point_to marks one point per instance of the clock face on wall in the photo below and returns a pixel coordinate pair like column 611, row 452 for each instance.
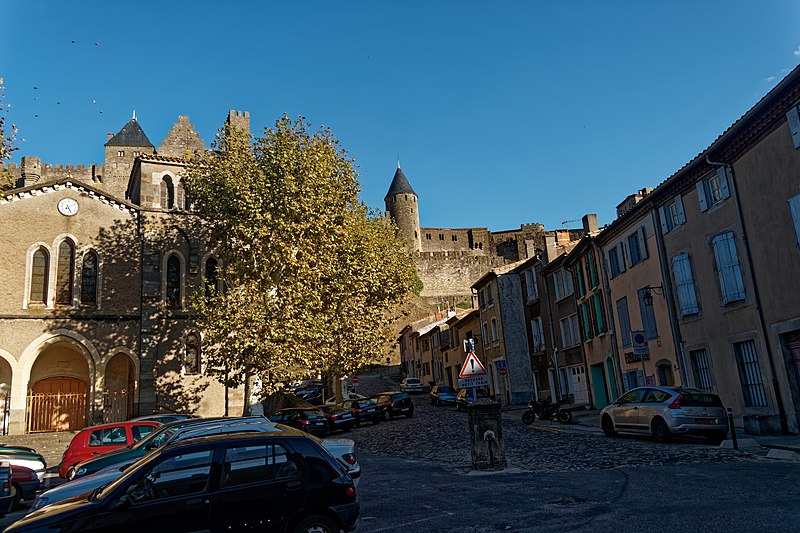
column 68, row 207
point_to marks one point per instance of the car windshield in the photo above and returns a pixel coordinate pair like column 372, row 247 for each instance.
column 401, row 396
column 313, row 415
column 698, row 399
column 446, row 389
column 155, row 439
column 412, row 381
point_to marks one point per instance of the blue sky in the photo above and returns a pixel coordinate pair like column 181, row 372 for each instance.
column 503, row 113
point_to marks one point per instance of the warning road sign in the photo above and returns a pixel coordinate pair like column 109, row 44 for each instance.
column 472, row 367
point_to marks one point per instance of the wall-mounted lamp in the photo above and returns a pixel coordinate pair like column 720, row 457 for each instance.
column 647, row 293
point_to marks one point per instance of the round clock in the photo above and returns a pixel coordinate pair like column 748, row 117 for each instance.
column 68, row 207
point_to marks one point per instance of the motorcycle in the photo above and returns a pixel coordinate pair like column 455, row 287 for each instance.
column 545, row 410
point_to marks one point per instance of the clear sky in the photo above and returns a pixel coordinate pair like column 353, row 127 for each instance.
column 503, row 113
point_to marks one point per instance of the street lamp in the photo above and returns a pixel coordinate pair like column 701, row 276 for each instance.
column 647, row 296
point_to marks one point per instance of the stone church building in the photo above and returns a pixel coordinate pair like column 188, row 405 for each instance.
column 98, row 269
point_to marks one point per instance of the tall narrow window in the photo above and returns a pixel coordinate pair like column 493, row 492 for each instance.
column 65, row 273
column 211, row 283
column 180, row 201
column 624, row 321
column 89, row 279
column 648, row 316
column 750, row 374
column 39, row 268
column 701, row 370
column 191, row 360
column 687, row 293
column 598, row 314
column 174, row 281
column 167, row 193
column 729, row 270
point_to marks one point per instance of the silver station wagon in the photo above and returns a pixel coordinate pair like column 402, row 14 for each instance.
column 665, row 412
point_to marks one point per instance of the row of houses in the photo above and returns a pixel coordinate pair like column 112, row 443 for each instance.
column 702, row 272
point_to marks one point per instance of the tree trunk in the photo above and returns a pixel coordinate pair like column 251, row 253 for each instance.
column 337, row 385
column 246, row 402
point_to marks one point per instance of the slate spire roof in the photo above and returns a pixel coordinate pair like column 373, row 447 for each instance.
column 400, row 184
column 131, row 134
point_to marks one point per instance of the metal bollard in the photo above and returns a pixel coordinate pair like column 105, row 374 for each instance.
column 732, row 428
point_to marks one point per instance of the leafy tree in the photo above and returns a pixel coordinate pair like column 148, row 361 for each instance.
column 312, row 276
column 7, row 139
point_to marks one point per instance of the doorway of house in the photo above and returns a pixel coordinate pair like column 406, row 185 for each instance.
column 57, row 404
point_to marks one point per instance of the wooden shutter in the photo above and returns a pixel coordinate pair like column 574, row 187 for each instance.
column 687, row 294
column 701, row 195
column 794, row 125
column 679, row 209
column 728, row 268
column 663, row 218
column 643, row 241
column 723, row 182
column 794, row 210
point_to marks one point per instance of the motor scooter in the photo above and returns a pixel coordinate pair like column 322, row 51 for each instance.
column 544, row 410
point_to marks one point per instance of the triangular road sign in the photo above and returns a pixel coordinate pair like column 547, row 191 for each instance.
column 472, row 367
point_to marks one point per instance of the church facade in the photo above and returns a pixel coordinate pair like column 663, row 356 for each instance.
column 98, row 270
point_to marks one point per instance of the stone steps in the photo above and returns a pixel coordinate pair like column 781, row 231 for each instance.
column 50, row 445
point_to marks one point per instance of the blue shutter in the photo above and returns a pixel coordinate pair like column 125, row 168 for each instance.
column 687, row 294
column 728, row 268
column 794, row 210
column 624, row 321
column 679, row 208
column 794, row 125
column 643, row 239
column 663, row 218
column 701, row 195
column 723, row 182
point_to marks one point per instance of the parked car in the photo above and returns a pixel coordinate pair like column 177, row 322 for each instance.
column 442, row 395
column 154, row 440
column 411, row 385
column 394, row 404
column 308, row 419
column 6, row 492
column 284, row 480
column 365, row 409
column 665, row 412
column 32, row 460
column 339, row 418
column 96, row 440
column 165, row 418
column 466, row 397
column 24, row 484
column 341, row 449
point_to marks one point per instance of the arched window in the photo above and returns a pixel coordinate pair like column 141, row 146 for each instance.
column 89, row 279
column 167, row 193
column 180, row 200
column 174, row 281
column 65, row 273
column 40, row 266
column 211, row 278
column 191, row 356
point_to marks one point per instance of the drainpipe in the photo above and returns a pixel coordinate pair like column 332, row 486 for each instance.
column 756, row 295
column 666, row 282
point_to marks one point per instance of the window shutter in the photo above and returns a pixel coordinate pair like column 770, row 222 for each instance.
column 643, row 240
column 701, row 195
column 794, row 125
column 622, row 266
column 728, row 268
column 663, row 218
column 794, row 210
column 723, row 182
column 679, row 208
column 687, row 295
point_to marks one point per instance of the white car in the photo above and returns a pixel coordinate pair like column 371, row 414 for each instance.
column 411, row 385
column 34, row 464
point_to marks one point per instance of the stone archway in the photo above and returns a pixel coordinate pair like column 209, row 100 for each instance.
column 59, row 388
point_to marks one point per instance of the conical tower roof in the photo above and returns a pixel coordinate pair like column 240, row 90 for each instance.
column 400, row 185
column 131, row 134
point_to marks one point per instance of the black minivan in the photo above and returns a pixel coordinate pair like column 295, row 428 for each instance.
column 281, row 481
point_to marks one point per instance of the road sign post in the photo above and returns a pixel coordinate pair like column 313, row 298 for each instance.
column 640, row 348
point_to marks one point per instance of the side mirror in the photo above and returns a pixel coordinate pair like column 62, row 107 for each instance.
column 122, row 503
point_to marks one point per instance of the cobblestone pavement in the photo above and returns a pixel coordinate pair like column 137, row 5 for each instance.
column 441, row 434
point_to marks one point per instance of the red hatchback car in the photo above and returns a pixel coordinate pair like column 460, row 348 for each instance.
column 96, row 440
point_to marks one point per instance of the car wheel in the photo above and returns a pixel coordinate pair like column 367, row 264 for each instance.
column 316, row 524
column 17, row 497
column 660, row 431
column 608, row 426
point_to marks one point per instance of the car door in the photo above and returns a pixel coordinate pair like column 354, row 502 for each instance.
column 261, row 489
column 652, row 405
column 170, row 495
column 626, row 409
column 106, row 439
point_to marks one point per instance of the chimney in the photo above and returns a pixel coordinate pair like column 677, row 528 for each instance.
column 590, row 223
column 550, row 247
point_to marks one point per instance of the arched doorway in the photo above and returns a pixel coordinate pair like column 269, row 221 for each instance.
column 5, row 395
column 120, row 384
column 58, row 398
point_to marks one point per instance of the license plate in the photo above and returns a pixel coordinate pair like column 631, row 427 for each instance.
column 708, row 421
column 347, row 416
